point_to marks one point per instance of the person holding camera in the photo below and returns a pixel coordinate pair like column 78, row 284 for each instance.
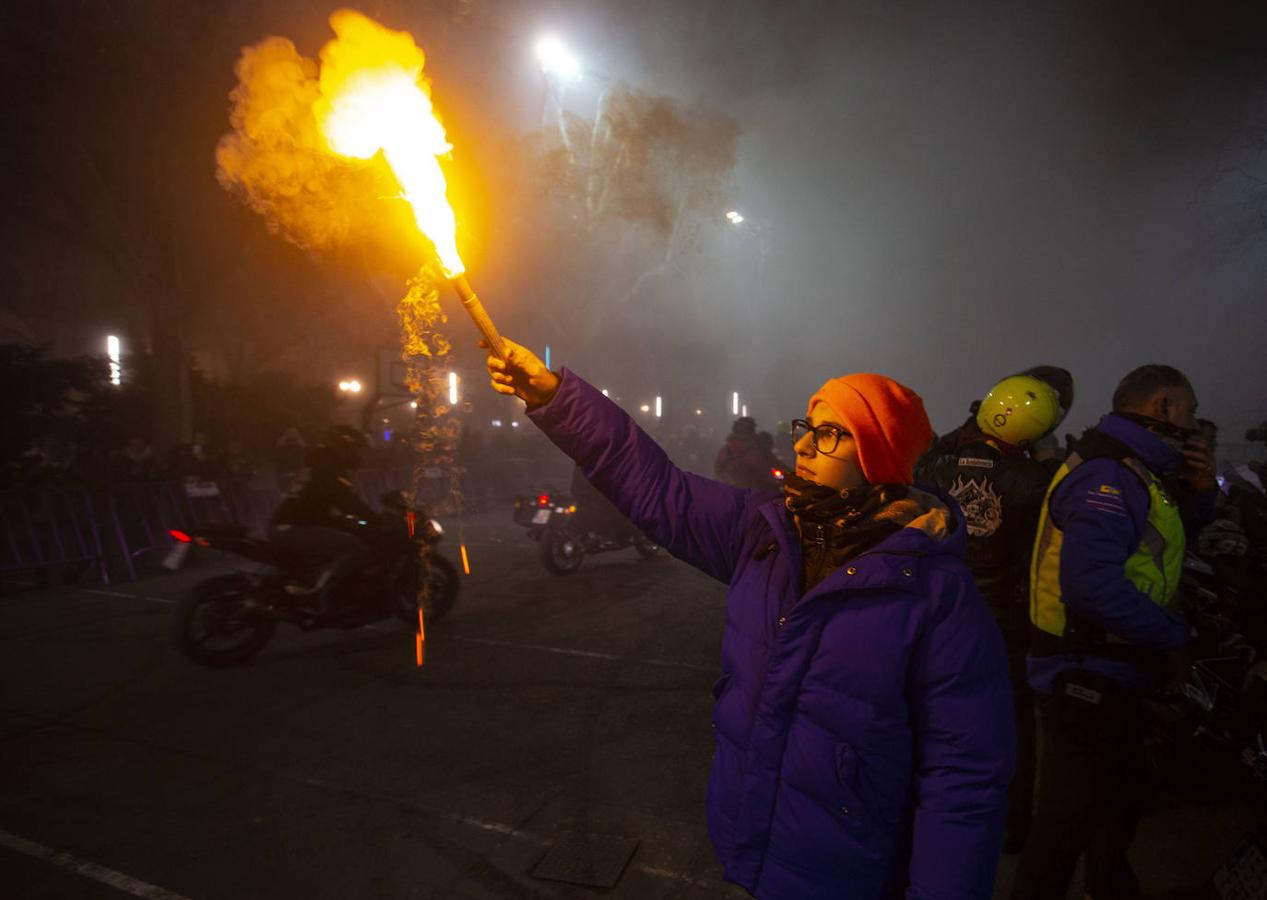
column 1103, row 578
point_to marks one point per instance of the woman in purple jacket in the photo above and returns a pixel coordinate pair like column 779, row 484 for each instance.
column 863, row 718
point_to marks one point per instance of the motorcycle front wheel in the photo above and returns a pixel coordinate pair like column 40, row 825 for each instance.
column 215, row 627
column 562, row 551
column 442, row 593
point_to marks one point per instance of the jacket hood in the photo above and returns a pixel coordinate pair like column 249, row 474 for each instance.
column 1151, row 450
column 937, row 527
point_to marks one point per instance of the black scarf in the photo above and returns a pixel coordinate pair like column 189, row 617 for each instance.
column 838, row 525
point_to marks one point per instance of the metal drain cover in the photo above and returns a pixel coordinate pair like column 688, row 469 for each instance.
column 594, row 860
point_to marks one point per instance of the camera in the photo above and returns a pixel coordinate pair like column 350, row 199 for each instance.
column 1257, row 435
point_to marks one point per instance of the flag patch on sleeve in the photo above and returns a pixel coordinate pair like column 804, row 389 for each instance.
column 1107, row 499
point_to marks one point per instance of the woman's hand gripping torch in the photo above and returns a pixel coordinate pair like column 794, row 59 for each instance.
column 521, row 374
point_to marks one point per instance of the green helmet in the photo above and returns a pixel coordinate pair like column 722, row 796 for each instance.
column 1019, row 410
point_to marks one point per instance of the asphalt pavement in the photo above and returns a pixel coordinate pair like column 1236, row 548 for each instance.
column 560, row 726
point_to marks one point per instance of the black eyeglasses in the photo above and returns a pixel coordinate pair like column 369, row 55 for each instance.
column 826, row 437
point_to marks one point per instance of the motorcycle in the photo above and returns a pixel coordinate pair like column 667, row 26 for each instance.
column 567, row 535
column 1215, row 720
column 225, row 620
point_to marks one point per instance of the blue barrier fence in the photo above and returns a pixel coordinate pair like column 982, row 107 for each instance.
column 51, row 534
column 54, row 534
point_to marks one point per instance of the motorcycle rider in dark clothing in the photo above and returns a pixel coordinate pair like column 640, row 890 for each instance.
column 322, row 517
column 1000, row 489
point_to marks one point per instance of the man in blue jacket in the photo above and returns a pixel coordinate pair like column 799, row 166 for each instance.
column 863, row 718
column 1105, row 569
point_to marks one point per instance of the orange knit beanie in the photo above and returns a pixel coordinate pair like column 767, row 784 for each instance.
column 887, row 421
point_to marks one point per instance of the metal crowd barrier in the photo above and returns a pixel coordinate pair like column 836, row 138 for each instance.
column 51, row 534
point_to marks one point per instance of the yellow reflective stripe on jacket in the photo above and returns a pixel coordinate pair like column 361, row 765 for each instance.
column 1154, row 568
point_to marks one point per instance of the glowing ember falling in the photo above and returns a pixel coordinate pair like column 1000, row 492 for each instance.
column 373, row 98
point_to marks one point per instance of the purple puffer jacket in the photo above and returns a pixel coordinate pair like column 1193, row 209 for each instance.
column 863, row 731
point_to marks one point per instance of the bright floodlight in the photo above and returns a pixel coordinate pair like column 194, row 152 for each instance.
column 645, row 408
column 734, row 217
column 556, row 59
column 734, row 403
column 453, row 388
column 351, row 386
column 745, row 409
column 659, row 407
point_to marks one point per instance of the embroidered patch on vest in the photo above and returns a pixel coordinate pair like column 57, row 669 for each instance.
column 982, row 507
column 976, row 463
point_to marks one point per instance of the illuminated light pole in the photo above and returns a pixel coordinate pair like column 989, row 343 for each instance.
column 453, row 388
column 734, row 403
column 556, row 59
column 114, row 355
column 659, row 407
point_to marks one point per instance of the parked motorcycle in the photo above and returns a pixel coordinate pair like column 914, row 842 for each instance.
column 568, row 533
column 227, row 619
column 1215, row 721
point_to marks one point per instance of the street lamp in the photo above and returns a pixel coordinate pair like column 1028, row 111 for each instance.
column 645, row 408
column 114, row 355
column 556, row 59
column 735, row 217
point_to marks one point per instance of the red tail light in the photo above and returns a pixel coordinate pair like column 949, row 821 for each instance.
column 543, row 500
column 180, row 536
column 777, row 473
column 410, row 518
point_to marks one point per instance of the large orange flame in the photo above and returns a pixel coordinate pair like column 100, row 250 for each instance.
column 374, row 98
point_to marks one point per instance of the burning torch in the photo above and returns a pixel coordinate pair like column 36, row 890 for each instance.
column 471, row 303
column 370, row 104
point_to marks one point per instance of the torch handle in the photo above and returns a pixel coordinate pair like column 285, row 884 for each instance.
column 476, row 310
